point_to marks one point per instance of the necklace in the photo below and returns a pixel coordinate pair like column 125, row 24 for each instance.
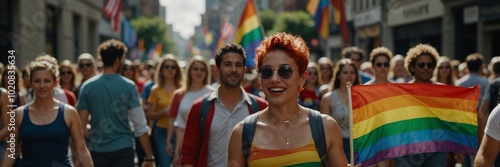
column 284, row 122
column 42, row 115
column 287, row 138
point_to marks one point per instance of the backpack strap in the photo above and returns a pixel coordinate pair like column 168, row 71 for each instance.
column 254, row 107
column 318, row 134
column 249, row 127
column 205, row 108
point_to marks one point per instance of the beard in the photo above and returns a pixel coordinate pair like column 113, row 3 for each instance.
column 227, row 82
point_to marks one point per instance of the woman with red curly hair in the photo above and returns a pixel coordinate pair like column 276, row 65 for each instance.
column 283, row 130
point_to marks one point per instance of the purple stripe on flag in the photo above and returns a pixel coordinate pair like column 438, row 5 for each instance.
column 417, row 148
column 250, row 51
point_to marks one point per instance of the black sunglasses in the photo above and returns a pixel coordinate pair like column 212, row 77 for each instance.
column 379, row 64
column 284, row 71
column 166, row 67
column 66, row 72
column 85, row 65
column 428, row 64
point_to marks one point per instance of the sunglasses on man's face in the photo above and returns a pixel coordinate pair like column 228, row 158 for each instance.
column 379, row 64
column 284, row 71
column 82, row 65
column 423, row 64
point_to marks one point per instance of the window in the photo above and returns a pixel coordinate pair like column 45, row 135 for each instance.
column 76, row 34
column 51, row 33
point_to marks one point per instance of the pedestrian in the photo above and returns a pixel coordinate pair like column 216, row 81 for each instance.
column 334, row 103
column 380, row 59
column 489, row 151
column 196, row 85
column 86, row 69
column 168, row 79
column 356, row 55
column 111, row 99
column 310, row 96
column 283, row 131
column 47, row 124
column 420, row 62
column 205, row 140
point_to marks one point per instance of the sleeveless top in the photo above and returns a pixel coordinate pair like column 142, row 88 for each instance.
column 45, row 145
column 340, row 114
column 303, row 156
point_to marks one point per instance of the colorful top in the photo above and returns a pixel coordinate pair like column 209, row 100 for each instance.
column 162, row 98
column 310, row 99
column 302, row 156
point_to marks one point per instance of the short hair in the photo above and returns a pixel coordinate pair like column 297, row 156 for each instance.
column 474, row 62
column 348, row 51
column 47, row 58
column 495, row 65
column 111, row 50
column 417, row 51
column 295, row 46
column 86, row 56
column 318, row 71
column 380, row 51
column 189, row 79
column 338, row 69
column 43, row 65
column 229, row 48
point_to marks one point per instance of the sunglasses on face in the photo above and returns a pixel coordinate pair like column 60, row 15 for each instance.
column 66, row 73
column 428, row 64
column 166, row 67
column 82, row 65
column 284, row 71
column 444, row 67
column 379, row 64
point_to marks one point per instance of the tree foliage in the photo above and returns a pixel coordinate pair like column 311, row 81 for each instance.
column 268, row 17
column 153, row 30
column 297, row 23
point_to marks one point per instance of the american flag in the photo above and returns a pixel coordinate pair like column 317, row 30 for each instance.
column 112, row 11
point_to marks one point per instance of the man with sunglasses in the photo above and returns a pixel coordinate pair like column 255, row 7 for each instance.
column 229, row 104
column 356, row 55
column 85, row 68
column 420, row 62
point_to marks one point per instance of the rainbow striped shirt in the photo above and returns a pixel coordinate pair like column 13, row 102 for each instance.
column 302, row 156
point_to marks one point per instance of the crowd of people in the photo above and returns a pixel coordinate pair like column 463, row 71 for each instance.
column 108, row 111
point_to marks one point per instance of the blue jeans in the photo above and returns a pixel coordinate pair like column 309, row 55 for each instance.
column 424, row 159
column 164, row 159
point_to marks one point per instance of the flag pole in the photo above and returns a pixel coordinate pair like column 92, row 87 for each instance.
column 351, row 142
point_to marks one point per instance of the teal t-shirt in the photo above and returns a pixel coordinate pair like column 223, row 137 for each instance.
column 108, row 98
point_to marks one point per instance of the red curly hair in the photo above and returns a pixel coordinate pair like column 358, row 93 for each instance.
column 295, row 46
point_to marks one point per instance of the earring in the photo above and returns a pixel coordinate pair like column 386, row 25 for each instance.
column 301, row 88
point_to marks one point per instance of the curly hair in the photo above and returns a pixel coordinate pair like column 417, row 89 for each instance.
column 416, row 52
column 43, row 65
column 228, row 48
column 295, row 46
column 111, row 50
column 380, row 51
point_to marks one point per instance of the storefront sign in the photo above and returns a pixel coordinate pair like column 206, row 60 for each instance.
column 471, row 14
column 414, row 11
column 369, row 17
column 489, row 11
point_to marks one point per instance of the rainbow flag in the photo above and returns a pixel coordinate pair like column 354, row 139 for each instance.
column 249, row 33
column 394, row 120
column 340, row 20
column 319, row 10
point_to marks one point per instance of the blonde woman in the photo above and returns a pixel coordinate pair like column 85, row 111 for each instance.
column 197, row 85
column 168, row 79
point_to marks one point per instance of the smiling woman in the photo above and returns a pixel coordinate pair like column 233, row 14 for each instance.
column 285, row 130
column 47, row 124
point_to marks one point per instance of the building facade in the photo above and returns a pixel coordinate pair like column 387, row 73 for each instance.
column 61, row 28
column 471, row 26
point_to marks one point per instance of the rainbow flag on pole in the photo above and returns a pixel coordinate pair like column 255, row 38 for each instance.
column 249, row 33
column 319, row 10
column 394, row 120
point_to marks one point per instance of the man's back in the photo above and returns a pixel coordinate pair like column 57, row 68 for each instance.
column 472, row 79
column 108, row 98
